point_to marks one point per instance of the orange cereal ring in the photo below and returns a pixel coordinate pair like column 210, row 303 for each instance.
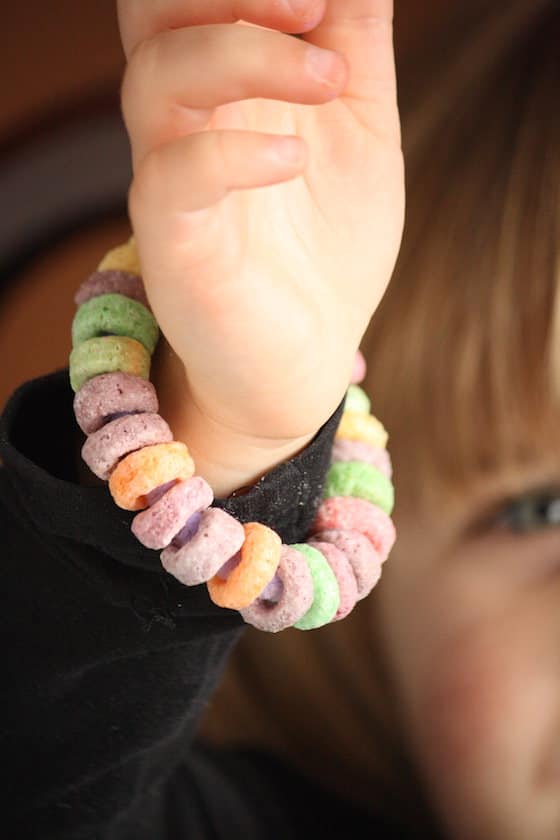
column 260, row 557
column 147, row 468
column 122, row 258
column 365, row 427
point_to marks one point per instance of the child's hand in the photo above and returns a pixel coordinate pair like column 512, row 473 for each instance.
column 264, row 292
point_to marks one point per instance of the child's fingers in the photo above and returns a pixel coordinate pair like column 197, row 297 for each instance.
column 175, row 78
column 363, row 31
column 175, row 190
column 139, row 21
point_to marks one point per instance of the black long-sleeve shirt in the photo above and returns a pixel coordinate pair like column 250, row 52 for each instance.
column 108, row 661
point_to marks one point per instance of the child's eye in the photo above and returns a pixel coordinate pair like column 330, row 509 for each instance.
column 529, row 513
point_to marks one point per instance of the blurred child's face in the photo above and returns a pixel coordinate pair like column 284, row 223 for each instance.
column 472, row 628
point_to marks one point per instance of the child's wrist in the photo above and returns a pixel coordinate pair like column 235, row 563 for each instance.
column 230, row 464
column 228, row 460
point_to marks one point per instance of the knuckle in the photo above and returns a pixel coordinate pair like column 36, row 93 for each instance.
column 145, row 53
column 221, row 142
column 140, row 71
column 228, row 152
column 147, row 181
column 126, row 98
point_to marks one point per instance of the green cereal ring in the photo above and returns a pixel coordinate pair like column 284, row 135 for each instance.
column 115, row 314
column 357, row 478
column 326, row 595
column 357, row 400
column 107, row 355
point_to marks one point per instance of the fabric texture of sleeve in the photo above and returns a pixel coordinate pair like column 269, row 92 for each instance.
column 109, row 661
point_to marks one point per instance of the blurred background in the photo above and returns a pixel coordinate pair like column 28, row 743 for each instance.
column 64, row 172
column 65, row 168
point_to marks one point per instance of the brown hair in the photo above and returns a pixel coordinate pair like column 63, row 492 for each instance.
column 464, row 347
column 463, row 370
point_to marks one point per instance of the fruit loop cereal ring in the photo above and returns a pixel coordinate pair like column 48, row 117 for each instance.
column 362, row 427
column 362, row 556
column 345, row 577
column 105, row 355
column 219, row 538
column 353, row 514
column 156, row 526
column 112, row 282
column 122, row 258
column 358, row 368
column 326, row 597
column 142, row 471
column 115, row 315
column 293, row 600
column 102, row 397
column 104, row 449
column 352, row 478
column 357, row 400
column 356, row 450
column 260, row 556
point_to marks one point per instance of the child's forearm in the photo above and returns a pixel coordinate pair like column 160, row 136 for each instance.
column 113, row 664
column 227, row 460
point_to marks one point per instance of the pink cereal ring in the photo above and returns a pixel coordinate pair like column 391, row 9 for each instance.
column 218, row 538
column 104, row 448
column 344, row 573
column 345, row 449
column 349, row 513
column 142, row 471
column 156, row 526
column 358, row 368
column 361, row 554
column 260, row 556
column 112, row 393
column 295, row 599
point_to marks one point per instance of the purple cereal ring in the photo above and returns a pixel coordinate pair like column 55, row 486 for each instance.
column 293, row 587
column 364, row 559
column 219, row 537
column 104, row 448
column 345, row 577
column 349, row 513
column 345, row 449
column 111, row 281
column 156, row 526
column 112, row 393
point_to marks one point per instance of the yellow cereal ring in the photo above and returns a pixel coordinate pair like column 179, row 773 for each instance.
column 364, row 427
column 122, row 258
column 147, row 468
column 260, row 557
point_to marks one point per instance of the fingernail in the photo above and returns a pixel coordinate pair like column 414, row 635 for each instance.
column 324, row 65
column 306, row 10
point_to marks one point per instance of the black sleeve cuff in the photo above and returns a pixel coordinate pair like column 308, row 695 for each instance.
column 36, row 433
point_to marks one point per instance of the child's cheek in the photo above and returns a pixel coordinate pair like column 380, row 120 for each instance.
column 484, row 717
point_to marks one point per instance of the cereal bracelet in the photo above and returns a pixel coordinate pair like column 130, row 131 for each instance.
column 246, row 566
